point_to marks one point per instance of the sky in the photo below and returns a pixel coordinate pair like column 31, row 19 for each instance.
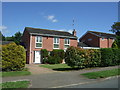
column 95, row 16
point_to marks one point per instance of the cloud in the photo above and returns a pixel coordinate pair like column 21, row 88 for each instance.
column 70, row 30
column 4, row 29
column 52, row 18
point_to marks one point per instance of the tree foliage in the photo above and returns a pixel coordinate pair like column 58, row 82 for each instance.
column 116, row 28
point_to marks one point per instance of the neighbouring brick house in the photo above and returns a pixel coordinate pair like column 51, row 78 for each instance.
column 97, row 39
column 35, row 39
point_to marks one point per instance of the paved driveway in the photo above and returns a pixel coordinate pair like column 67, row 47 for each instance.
column 57, row 79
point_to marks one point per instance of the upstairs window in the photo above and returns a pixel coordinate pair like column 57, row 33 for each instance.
column 66, row 43
column 56, row 43
column 38, row 41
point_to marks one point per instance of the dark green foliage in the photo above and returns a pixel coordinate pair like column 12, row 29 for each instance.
column 93, row 58
column 55, row 56
column 74, row 57
column 54, row 60
column 17, row 38
column 106, row 56
column 116, row 58
column 58, row 52
column 44, row 55
column 13, row 57
column 116, row 28
column 77, row 57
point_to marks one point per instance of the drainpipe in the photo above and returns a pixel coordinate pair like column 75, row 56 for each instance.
column 30, row 50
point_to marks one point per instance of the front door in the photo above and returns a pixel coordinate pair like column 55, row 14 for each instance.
column 37, row 57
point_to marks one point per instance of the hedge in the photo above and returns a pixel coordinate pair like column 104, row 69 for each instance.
column 80, row 58
column 13, row 57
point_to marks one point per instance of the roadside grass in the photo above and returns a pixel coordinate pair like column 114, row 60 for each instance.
column 15, row 73
column 13, row 85
column 102, row 74
column 58, row 67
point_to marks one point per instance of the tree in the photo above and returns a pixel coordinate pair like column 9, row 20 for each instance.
column 2, row 36
column 17, row 37
column 116, row 29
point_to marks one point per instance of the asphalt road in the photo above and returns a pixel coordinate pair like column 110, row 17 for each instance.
column 110, row 83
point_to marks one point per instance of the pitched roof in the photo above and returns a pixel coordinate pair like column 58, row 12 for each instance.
column 46, row 32
column 101, row 34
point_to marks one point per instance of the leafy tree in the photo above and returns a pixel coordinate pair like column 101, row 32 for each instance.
column 17, row 37
column 116, row 29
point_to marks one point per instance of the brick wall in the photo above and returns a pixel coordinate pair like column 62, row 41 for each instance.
column 94, row 42
column 106, row 43
column 47, row 43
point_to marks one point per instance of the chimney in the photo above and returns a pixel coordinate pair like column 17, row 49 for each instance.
column 74, row 32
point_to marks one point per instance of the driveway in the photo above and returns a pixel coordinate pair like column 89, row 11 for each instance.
column 57, row 79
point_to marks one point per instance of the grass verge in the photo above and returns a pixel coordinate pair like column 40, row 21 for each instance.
column 102, row 74
column 15, row 73
column 17, row 84
column 58, row 67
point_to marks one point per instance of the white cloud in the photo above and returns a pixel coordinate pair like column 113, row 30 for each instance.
column 52, row 18
column 70, row 30
column 3, row 29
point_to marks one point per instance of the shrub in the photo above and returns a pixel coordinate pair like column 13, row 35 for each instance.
column 54, row 60
column 106, row 56
column 75, row 57
column 116, row 58
column 93, row 58
column 13, row 57
column 57, row 55
column 44, row 55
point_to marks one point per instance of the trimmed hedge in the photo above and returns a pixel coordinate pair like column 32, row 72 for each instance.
column 13, row 57
column 80, row 58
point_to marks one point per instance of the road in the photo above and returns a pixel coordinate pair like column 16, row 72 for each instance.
column 110, row 83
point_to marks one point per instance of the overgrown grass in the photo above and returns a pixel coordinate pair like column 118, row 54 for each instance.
column 102, row 74
column 12, row 85
column 58, row 67
column 15, row 73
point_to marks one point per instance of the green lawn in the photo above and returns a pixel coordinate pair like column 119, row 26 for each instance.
column 102, row 74
column 17, row 84
column 15, row 73
column 58, row 67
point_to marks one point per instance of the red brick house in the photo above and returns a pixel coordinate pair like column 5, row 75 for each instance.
column 97, row 39
column 35, row 39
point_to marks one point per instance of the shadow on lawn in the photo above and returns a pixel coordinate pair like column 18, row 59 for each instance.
column 66, row 69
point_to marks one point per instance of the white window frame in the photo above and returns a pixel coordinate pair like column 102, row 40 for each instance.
column 67, row 42
column 56, row 43
column 38, row 42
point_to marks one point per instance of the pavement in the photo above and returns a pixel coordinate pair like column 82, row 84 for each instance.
column 56, row 79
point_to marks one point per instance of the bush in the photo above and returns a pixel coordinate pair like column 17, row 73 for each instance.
column 106, row 56
column 93, row 58
column 116, row 58
column 57, row 55
column 44, row 55
column 54, row 60
column 13, row 57
column 75, row 57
